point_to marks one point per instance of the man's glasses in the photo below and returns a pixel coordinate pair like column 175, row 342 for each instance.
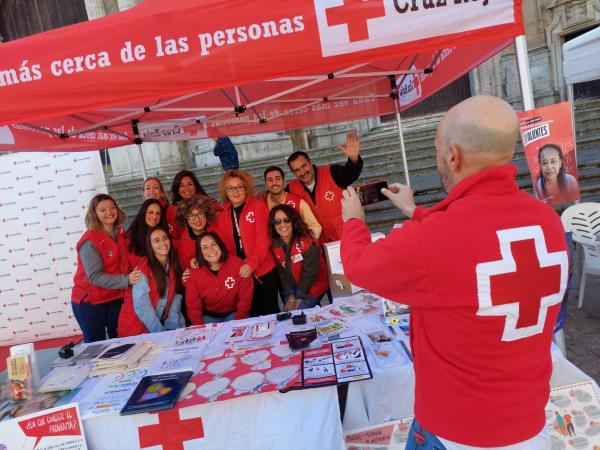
column 282, row 221
column 239, row 188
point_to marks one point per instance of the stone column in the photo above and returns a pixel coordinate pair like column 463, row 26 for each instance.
column 94, row 9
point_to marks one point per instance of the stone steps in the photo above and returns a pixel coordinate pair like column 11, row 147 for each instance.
column 381, row 153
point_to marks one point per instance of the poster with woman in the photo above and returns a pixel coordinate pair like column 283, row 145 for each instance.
column 547, row 135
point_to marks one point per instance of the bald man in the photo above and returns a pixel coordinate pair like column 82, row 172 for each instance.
column 484, row 271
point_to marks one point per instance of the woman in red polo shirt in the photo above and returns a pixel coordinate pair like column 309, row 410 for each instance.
column 102, row 275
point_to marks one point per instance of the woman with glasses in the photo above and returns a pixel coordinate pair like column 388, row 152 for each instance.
column 185, row 185
column 215, row 292
column 243, row 227
column 194, row 215
column 301, row 267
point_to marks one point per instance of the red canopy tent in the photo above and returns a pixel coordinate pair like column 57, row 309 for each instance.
column 184, row 69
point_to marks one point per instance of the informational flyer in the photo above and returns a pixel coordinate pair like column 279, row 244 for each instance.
column 52, row 429
column 548, row 139
column 384, row 436
column 573, row 417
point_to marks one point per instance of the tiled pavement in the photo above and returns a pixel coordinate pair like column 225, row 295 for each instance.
column 582, row 329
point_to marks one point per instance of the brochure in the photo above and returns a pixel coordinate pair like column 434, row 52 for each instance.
column 64, row 378
column 384, row 436
column 337, row 362
column 156, row 392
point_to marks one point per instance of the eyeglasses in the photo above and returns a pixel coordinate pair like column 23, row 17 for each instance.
column 282, row 221
column 196, row 215
column 239, row 188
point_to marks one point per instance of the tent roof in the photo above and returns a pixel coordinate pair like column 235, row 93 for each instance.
column 581, row 58
column 223, row 68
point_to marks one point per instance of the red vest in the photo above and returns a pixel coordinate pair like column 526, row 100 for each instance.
column 175, row 229
column 114, row 259
column 320, row 285
column 253, row 223
column 327, row 206
column 129, row 324
column 292, row 200
column 185, row 247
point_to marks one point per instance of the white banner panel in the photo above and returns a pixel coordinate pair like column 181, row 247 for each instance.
column 43, row 201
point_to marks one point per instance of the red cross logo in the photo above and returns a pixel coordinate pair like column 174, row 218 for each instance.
column 229, row 282
column 170, row 431
column 299, row 247
column 523, row 284
column 355, row 14
column 250, row 217
column 292, row 203
column 329, row 196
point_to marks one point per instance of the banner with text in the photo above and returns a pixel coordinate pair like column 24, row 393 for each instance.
column 43, row 201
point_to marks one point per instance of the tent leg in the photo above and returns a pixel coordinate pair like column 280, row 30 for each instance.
column 402, row 147
column 143, row 162
column 524, row 73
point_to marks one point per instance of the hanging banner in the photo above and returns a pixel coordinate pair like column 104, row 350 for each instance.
column 547, row 135
column 43, row 201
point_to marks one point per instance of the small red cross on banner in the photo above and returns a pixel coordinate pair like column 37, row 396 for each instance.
column 170, row 431
column 355, row 13
column 523, row 284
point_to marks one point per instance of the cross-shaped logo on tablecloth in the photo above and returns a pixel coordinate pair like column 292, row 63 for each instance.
column 355, row 14
column 329, row 196
column 523, row 284
column 229, row 283
column 250, row 217
column 170, row 431
column 292, row 203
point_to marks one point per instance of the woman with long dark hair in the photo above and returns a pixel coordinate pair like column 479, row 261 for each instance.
column 215, row 292
column 102, row 275
column 243, row 227
column 150, row 215
column 300, row 265
column 154, row 304
column 555, row 185
column 185, row 185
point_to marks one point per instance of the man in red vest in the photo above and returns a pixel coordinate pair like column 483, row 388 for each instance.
column 484, row 272
column 276, row 195
column 321, row 187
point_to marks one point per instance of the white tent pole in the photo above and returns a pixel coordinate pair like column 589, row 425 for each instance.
column 524, row 73
column 144, row 172
column 400, row 135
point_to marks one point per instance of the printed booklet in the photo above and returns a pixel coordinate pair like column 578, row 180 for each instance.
column 156, row 392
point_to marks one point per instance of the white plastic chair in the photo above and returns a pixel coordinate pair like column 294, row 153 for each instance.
column 583, row 220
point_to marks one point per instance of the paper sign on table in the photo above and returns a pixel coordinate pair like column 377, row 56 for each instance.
column 384, row 436
column 51, row 429
column 573, row 417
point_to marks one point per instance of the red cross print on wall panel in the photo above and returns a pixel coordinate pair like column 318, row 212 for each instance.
column 354, row 14
column 523, row 284
column 170, row 431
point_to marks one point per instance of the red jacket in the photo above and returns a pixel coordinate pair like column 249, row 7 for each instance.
column 253, row 223
column 175, row 229
column 185, row 247
column 129, row 323
column 327, row 206
column 220, row 293
column 470, row 269
column 115, row 261
column 320, row 284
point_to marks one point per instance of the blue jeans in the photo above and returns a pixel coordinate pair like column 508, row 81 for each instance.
column 211, row 319
column 421, row 439
column 96, row 321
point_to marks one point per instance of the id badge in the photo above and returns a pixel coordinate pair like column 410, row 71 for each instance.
column 297, row 258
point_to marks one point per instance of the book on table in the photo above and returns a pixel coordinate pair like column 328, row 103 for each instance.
column 156, row 392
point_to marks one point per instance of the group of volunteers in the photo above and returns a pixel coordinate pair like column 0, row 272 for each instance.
column 484, row 271
column 197, row 260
